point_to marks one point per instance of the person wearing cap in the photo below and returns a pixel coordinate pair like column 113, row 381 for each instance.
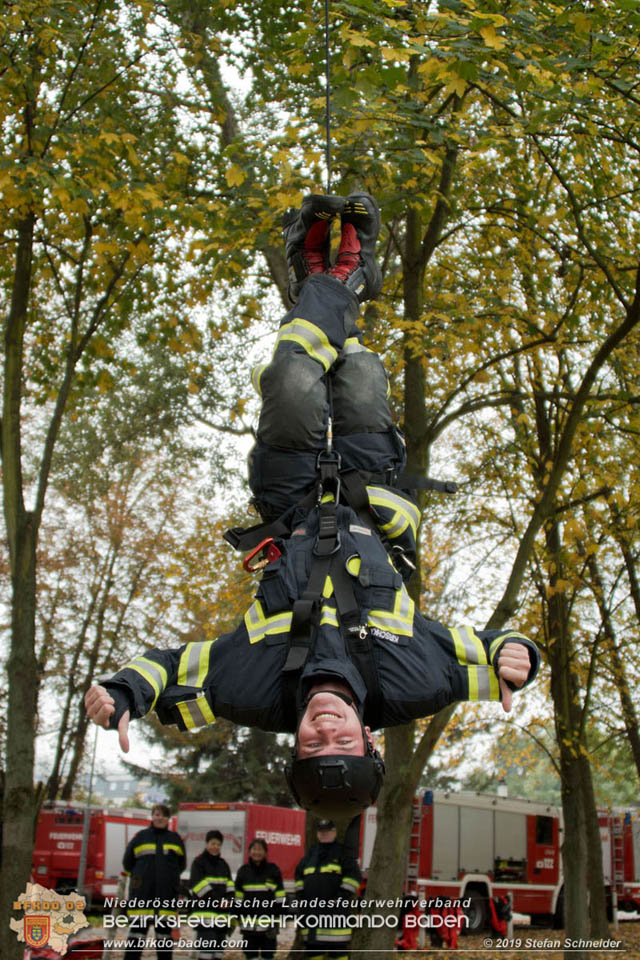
column 153, row 860
column 332, row 645
column 260, row 896
column 212, row 891
column 330, row 875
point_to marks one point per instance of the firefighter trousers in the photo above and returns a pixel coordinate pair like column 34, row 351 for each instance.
column 319, row 362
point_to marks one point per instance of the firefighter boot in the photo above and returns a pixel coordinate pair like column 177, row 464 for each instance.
column 356, row 264
column 307, row 238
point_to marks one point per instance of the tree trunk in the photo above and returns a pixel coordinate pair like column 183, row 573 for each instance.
column 18, row 812
column 389, row 859
column 568, row 715
column 19, row 798
column 595, row 874
column 617, row 662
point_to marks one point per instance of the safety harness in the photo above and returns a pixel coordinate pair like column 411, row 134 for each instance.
column 334, row 486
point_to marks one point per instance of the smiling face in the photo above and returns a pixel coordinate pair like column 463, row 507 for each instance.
column 257, row 853
column 159, row 819
column 329, row 725
column 214, row 846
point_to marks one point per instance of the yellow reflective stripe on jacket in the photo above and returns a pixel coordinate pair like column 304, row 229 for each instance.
column 335, row 934
column 167, row 847
column 470, row 651
column 258, row 625
column 328, row 616
column 331, row 868
column 469, row 646
column 144, row 850
column 196, row 713
column 209, row 882
column 256, row 376
column 350, row 882
column 153, row 673
column 504, row 637
column 400, row 619
column 405, row 513
column 311, row 338
column 194, row 664
column 483, row 682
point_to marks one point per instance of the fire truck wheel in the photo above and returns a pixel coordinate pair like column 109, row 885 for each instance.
column 477, row 914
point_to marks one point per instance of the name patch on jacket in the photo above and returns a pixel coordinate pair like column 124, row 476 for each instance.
column 384, row 635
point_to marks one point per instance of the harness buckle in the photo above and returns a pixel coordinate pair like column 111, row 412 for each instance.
column 328, row 465
column 326, row 546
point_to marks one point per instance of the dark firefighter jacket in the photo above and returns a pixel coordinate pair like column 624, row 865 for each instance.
column 154, row 860
column 330, row 875
column 421, row 665
column 260, row 890
column 210, row 882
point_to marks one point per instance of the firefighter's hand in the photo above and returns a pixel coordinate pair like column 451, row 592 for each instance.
column 100, row 707
column 513, row 665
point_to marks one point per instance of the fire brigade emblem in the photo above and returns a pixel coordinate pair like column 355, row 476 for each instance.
column 37, row 930
column 48, row 918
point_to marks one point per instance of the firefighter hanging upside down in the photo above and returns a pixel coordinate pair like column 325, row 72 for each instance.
column 332, row 645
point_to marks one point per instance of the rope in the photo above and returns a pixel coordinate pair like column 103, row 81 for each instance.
column 328, row 91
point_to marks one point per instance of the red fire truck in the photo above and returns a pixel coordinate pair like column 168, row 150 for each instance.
column 239, row 823
column 58, row 843
column 475, row 846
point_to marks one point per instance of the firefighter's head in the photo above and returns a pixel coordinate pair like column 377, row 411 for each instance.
column 330, row 723
column 335, row 770
column 213, row 842
column 258, row 851
column 160, row 814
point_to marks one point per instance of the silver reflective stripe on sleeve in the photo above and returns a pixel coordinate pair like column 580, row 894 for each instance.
column 153, row 673
column 194, row 664
column 196, row 713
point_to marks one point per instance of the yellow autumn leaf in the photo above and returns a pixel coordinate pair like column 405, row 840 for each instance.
column 491, row 38
column 456, row 85
column 235, row 175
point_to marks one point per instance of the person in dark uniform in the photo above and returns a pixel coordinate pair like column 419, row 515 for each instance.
column 260, row 895
column 332, row 644
column 153, row 861
column 330, row 874
column 212, row 891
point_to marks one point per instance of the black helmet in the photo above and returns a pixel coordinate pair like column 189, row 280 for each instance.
column 336, row 785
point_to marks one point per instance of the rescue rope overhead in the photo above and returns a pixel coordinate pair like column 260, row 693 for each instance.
column 327, row 61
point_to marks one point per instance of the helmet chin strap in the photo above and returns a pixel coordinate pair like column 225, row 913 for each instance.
column 343, row 696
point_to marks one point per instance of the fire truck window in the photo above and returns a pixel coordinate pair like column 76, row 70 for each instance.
column 544, row 830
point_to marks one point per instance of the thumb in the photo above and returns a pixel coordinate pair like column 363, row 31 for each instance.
column 507, row 698
column 123, row 731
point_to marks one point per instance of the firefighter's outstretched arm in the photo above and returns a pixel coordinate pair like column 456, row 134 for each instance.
column 100, row 707
column 514, row 667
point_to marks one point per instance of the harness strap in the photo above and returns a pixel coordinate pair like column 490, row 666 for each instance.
column 246, row 538
column 411, row 481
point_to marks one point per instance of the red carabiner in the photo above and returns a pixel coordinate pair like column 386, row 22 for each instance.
column 270, row 551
